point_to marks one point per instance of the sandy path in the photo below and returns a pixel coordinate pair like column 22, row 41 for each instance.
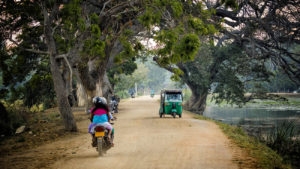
column 145, row 141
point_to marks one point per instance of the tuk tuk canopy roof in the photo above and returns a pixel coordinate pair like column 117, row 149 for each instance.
column 175, row 91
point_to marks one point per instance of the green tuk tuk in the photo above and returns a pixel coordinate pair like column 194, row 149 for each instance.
column 170, row 103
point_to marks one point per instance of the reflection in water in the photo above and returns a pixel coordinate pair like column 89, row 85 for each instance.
column 254, row 120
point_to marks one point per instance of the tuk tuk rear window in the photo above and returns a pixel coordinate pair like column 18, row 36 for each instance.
column 173, row 96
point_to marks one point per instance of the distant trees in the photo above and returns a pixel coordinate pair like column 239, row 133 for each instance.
column 147, row 76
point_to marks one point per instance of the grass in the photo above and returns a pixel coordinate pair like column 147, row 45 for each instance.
column 265, row 157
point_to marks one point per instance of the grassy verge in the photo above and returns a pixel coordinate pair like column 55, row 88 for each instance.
column 265, row 157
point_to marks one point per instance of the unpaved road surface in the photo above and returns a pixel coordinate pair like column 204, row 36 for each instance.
column 145, row 141
column 142, row 141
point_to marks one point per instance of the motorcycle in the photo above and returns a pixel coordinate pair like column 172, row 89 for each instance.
column 114, row 106
column 114, row 103
column 101, row 140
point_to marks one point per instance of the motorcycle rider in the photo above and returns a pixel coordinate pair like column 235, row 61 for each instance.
column 100, row 115
column 114, row 104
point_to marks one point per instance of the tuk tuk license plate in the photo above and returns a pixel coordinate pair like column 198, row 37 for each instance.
column 99, row 134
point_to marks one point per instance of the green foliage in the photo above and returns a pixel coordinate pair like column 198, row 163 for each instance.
column 197, row 72
column 146, row 76
column 14, row 116
column 177, row 49
column 39, row 90
column 94, row 18
column 176, row 8
column 169, row 38
column 122, row 94
column 161, row 2
column 176, row 74
column 231, row 67
column 197, row 24
column 156, row 76
column 93, row 46
column 95, row 30
column 71, row 15
column 128, row 51
column 186, row 49
column 72, row 22
column 200, row 27
column 186, row 94
column 280, row 83
column 127, row 82
column 149, row 18
column 282, row 138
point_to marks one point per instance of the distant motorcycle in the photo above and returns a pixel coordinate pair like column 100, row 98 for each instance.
column 132, row 95
column 114, row 103
column 101, row 140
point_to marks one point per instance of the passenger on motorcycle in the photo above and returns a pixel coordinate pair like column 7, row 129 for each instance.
column 100, row 116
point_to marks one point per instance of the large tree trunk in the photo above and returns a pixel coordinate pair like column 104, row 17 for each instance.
column 62, row 95
column 59, row 83
column 81, row 95
column 106, row 87
column 197, row 102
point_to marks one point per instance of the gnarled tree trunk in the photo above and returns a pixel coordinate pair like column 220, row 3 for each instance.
column 197, row 102
column 59, row 83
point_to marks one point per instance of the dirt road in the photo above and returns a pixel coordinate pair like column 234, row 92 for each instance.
column 145, row 141
column 142, row 141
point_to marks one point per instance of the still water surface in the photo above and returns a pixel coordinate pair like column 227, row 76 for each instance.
column 254, row 120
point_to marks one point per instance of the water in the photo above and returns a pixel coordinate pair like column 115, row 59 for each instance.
column 256, row 121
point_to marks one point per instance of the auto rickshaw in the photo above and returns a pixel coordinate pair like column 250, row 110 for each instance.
column 170, row 103
column 152, row 93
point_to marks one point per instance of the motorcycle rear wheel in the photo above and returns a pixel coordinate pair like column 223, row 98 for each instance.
column 99, row 146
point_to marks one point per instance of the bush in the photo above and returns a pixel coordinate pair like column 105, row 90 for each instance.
column 12, row 117
column 123, row 94
column 186, row 94
column 4, row 119
column 283, row 139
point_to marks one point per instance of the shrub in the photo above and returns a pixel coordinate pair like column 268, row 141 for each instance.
column 283, row 139
column 13, row 116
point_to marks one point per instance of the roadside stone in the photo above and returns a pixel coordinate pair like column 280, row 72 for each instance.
column 21, row 129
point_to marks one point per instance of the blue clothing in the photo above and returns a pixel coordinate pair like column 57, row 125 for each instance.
column 100, row 118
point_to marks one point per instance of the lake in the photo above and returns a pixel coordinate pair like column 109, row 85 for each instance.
column 256, row 121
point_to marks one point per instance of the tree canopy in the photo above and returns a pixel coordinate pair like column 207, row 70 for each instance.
column 212, row 45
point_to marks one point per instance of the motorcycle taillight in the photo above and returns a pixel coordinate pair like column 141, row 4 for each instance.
column 99, row 128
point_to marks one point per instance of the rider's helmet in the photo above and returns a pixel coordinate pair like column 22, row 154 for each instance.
column 99, row 101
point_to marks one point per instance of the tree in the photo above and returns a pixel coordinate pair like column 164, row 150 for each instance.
column 127, row 82
column 266, row 30
column 156, row 76
column 247, row 30
column 82, row 39
column 79, row 37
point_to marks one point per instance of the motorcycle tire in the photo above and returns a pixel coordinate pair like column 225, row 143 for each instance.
column 99, row 146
